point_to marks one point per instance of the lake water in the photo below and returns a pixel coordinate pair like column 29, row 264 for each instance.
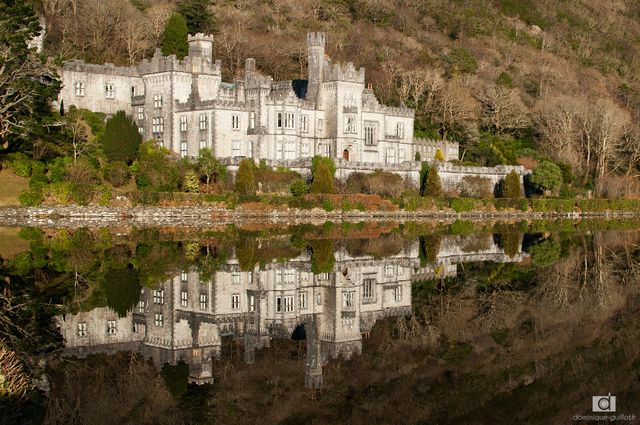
column 360, row 323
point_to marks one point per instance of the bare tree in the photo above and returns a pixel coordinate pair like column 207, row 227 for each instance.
column 454, row 107
column 502, row 109
column 611, row 120
column 158, row 15
column 135, row 34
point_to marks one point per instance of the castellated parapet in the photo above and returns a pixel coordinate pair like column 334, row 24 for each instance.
column 316, row 39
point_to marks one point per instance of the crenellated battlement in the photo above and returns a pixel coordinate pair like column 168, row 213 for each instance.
column 317, row 39
column 161, row 63
column 347, row 73
column 200, row 37
column 107, row 68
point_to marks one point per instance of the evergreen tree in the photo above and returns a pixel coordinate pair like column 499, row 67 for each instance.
column 438, row 156
column 210, row 167
column 191, row 181
column 424, row 172
column 245, row 179
column 418, row 157
column 174, row 37
column 121, row 139
column 512, row 186
column 433, row 186
column 197, row 15
column 547, row 176
column 322, row 172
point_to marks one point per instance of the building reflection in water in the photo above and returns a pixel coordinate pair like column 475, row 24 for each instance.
column 184, row 318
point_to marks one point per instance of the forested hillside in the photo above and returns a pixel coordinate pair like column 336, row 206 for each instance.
column 513, row 80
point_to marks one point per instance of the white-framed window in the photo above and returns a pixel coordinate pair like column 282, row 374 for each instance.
column 81, row 330
column 320, row 122
column 235, row 122
column 184, row 298
column 78, row 88
column 252, row 120
column 236, row 148
column 252, row 303
column 183, row 124
column 290, row 120
column 279, row 120
column 350, row 125
column 390, row 156
column 203, row 301
column 288, row 304
column 141, row 306
column 302, row 300
column 304, row 150
column 157, row 101
column 318, row 299
column 183, row 149
column 202, row 122
column 203, row 143
column 158, row 296
column 370, row 137
column 109, row 91
column 289, row 276
column 235, row 301
column 290, row 150
column 141, row 130
column 368, row 289
column 400, row 130
column 140, row 113
column 348, row 299
column 112, row 327
column 389, row 270
column 325, row 150
column 323, row 276
column 184, row 276
column 250, row 149
column 235, row 278
column 304, row 123
column 397, row 293
column 400, row 154
column 159, row 319
column 157, row 125
column 279, row 150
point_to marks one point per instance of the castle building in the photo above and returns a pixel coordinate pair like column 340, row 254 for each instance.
column 185, row 106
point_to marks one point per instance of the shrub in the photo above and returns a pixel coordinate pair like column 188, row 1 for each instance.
column 299, row 188
column 117, row 173
column 322, row 170
column 460, row 61
column 145, row 197
column 39, row 177
column 60, row 192
column 58, row 169
column 121, row 138
column 464, row 204
column 210, row 167
column 433, row 185
column 82, row 178
column 21, row 165
column 475, row 187
column 545, row 253
column 438, row 156
column 511, row 188
column 418, row 157
column 327, row 205
column 190, row 181
column 245, row 180
column 156, row 169
column 546, row 176
column 31, row 198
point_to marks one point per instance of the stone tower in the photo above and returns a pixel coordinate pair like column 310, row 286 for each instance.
column 201, row 45
column 315, row 47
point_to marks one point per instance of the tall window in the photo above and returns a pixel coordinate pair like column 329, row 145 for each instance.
column 184, row 276
column 304, row 150
column 400, row 130
column 78, row 88
column 235, row 122
column 235, row 301
column 368, row 289
column 203, row 143
column 109, row 92
column 203, row 301
column 82, row 330
column 279, row 120
column 397, row 293
column 348, row 299
column 250, row 149
column 140, row 113
column 400, row 155
column 252, row 303
column 159, row 319
column 235, row 278
column 236, row 148
column 290, row 150
column 289, row 121
column 183, row 124
column 390, row 156
column 279, row 150
column 288, row 304
column 184, row 298
column 304, row 123
column 141, row 130
column 389, row 270
column 157, row 101
column 183, row 149
column 302, row 300
column 157, row 125
column 135, row 328
column 325, row 150
column 141, row 306
column 350, row 125
column 202, row 122
column 252, row 120
column 112, row 327
column 320, row 122
column 369, row 133
column 158, row 296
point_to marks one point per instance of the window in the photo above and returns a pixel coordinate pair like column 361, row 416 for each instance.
column 109, row 92
column 203, row 143
column 370, row 133
column 279, row 120
column 236, row 148
column 82, row 330
column 323, row 276
column 250, row 149
column 302, row 300
column 112, row 327
column 159, row 319
column 235, row 278
column 400, row 130
column 202, row 122
column 235, row 301
column 389, row 271
column 157, row 125
column 279, row 150
column 252, row 120
column 320, row 125
column 390, row 156
column 135, row 328
column 348, row 299
column 184, row 276
column 141, row 130
column 368, row 289
column 400, row 155
column 304, row 149
column 350, row 125
column 78, row 88
column 290, row 150
column 158, row 296
column 318, row 299
column 304, row 126
column 288, row 304
column 397, row 293
column 325, row 150
column 252, row 303
column 235, row 122
column 141, row 306
column 183, row 124
column 157, row 101
column 289, row 120
column 183, row 149
column 141, row 113
column 289, row 276
column 203, row 301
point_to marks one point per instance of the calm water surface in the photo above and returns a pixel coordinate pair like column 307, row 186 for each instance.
column 343, row 323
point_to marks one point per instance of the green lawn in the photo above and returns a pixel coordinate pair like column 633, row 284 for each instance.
column 10, row 187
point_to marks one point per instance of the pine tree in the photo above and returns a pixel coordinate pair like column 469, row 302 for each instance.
column 121, row 139
column 197, row 15
column 174, row 37
column 512, row 186
column 322, row 171
column 245, row 179
column 433, row 186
